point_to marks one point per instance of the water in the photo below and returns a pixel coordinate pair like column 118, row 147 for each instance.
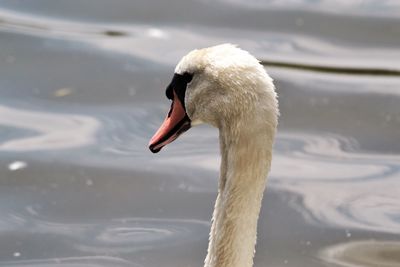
column 82, row 91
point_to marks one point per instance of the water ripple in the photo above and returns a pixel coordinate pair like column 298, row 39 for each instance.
column 363, row 253
column 136, row 234
column 337, row 186
column 89, row 261
column 121, row 235
column 139, row 40
column 50, row 131
column 370, row 8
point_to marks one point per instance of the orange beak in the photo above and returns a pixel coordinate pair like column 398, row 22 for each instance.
column 176, row 123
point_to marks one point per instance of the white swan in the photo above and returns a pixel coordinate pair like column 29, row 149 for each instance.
column 227, row 88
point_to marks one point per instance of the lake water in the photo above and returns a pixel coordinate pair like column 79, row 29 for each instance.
column 82, row 91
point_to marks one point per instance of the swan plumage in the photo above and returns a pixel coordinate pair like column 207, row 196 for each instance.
column 228, row 88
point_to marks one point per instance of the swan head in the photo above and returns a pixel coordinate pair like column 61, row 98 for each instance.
column 220, row 85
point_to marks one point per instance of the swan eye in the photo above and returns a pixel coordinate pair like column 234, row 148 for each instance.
column 188, row 77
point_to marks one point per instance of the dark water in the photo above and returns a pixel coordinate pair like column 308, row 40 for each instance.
column 82, row 91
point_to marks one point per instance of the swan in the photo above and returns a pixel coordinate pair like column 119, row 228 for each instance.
column 228, row 88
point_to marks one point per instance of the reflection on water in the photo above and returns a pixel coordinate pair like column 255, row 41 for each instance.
column 81, row 92
column 372, row 253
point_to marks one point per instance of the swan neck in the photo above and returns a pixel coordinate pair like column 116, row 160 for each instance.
column 246, row 156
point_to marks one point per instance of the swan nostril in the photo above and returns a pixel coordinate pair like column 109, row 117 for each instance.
column 169, row 92
column 170, row 110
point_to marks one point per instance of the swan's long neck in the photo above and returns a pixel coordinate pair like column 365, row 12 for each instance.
column 246, row 157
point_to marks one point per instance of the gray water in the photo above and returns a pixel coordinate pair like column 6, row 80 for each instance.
column 82, row 91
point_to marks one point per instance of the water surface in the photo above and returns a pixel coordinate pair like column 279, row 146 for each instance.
column 82, row 91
